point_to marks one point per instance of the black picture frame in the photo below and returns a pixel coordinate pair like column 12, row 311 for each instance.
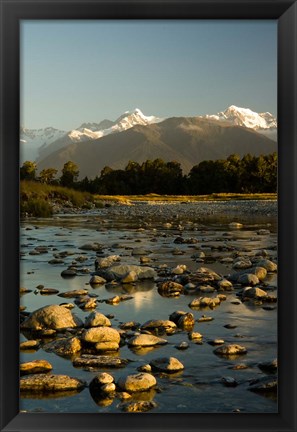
column 12, row 11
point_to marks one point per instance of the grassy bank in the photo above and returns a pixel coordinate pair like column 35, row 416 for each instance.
column 42, row 200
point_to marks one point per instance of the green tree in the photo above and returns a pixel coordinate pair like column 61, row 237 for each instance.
column 70, row 173
column 28, row 171
column 48, row 175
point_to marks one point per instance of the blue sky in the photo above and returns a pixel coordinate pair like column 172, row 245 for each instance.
column 78, row 71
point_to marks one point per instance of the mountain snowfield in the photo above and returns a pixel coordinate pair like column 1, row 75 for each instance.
column 36, row 144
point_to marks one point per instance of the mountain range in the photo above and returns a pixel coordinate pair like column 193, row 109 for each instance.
column 134, row 136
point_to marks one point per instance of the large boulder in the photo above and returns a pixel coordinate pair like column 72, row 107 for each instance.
column 64, row 347
column 142, row 272
column 47, row 383
column 51, row 317
column 104, row 338
column 137, row 383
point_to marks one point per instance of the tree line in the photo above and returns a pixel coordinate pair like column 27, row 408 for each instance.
column 249, row 174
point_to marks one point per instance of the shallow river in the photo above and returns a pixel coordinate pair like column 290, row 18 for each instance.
column 199, row 387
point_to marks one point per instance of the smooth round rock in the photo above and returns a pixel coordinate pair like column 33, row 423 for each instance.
column 138, row 382
column 167, row 364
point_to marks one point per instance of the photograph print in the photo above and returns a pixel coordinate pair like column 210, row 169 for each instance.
column 148, row 203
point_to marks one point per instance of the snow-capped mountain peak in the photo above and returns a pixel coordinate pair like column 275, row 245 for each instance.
column 245, row 117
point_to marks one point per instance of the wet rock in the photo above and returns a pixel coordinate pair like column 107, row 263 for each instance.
column 269, row 367
column 248, row 279
column 24, row 290
column 70, row 272
column 210, row 302
column 113, row 300
column 89, row 362
column 137, row 383
column 270, row 266
column 229, row 381
column 97, row 280
column 180, row 269
column 165, row 325
column 48, row 291
column 97, row 319
column 29, row 345
column 182, row 346
column 140, row 406
column 229, row 350
column 35, row 366
column 64, row 347
column 106, row 261
column 242, row 264
column 102, row 379
column 260, row 272
column 215, row 342
column 205, row 318
column 130, row 325
column 146, row 340
column 170, row 288
column 142, row 272
column 105, row 338
column 167, row 364
column 267, row 384
column 145, row 260
column 96, row 247
column 73, row 293
column 67, row 305
column 254, row 293
column 130, row 277
column 51, row 317
column 108, row 388
column 211, row 274
column 225, row 285
column 145, row 368
column 86, row 302
column 194, row 336
column 47, row 383
column 230, row 326
column 206, row 289
column 56, row 261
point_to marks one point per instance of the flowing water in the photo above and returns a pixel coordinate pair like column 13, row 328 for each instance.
column 198, row 388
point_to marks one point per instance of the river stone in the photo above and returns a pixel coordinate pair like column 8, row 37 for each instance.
column 260, row 272
column 270, row 266
column 140, row 251
column 254, row 293
column 209, row 272
column 51, row 317
column 145, row 368
column 108, row 388
column 50, row 383
column 225, row 285
column 229, row 381
column 107, row 346
column 167, row 325
column 264, row 385
column 170, row 287
column 138, row 382
column 69, row 272
column 235, row 225
column 229, row 350
column 97, row 319
column 101, row 379
column 106, row 261
column 35, row 366
column 142, row 272
column 180, row 269
column 269, row 367
column 130, row 277
column 29, row 345
column 97, row 280
column 91, row 247
column 248, row 279
column 141, row 406
column 65, row 346
column 100, row 334
column 130, row 325
column 99, row 361
column 73, row 293
column 167, row 364
column 242, row 263
column 146, row 340
column 48, row 291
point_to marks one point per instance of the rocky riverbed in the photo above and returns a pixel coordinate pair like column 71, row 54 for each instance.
column 159, row 308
